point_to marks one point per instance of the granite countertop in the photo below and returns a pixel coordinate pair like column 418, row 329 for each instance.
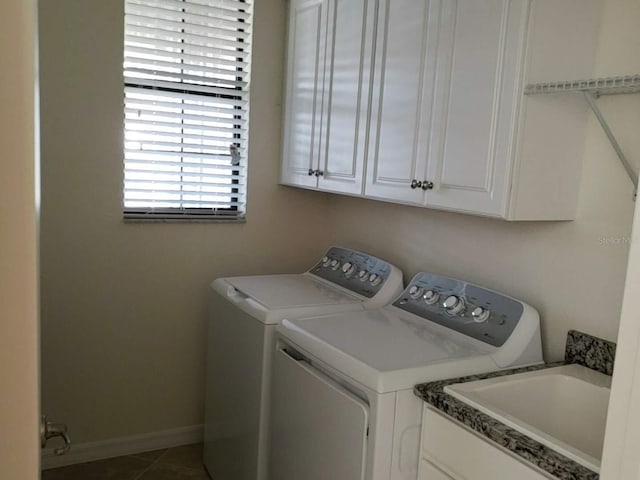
column 581, row 348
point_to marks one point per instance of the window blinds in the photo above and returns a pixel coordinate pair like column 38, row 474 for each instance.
column 186, row 72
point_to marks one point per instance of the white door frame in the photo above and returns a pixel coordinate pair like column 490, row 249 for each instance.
column 19, row 362
column 621, row 454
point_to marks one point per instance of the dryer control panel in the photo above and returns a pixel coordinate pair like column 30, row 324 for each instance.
column 356, row 271
column 483, row 314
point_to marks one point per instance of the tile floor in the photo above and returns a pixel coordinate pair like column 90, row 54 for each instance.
column 179, row 463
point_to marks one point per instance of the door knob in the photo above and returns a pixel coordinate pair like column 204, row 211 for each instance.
column 427, row 185
column 49, row 430
column 415, row 184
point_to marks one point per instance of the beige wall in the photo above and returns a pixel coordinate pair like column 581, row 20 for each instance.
column 19, row 446
column 124, row 305
column 566, row 270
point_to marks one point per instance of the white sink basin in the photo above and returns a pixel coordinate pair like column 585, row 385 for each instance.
column 564, row 408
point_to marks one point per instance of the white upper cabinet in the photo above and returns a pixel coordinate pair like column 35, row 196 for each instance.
column 495, row 151
column 403, row 96
column 348, row 67
column 329, row 68
column 447, row 125
column 476, row 105
column 303, row 99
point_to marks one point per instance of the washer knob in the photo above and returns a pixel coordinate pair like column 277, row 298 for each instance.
column 362, row 275
column 453, row 305
column 480, row 314
column 335, row 264
column 325, row 261
column 415, row 291
column 348, row 268
column 430, row 297
column 375, row 279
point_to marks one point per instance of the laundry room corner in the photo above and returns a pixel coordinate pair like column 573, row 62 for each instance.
column 124, row 305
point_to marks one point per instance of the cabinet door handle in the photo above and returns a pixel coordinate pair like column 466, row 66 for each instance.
column 311, row 172
column 319, row 173
column 415, row 184
column 427, row 185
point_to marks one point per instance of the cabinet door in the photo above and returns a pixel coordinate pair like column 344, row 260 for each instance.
column 347, row 80
column 466, row 455
column 304, row 91
column 471, row 147
column 406, row 70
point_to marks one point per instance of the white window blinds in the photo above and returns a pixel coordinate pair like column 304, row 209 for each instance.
column 186, row 73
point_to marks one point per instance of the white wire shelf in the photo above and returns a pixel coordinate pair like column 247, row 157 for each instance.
column 595, row 86
column 591, row 90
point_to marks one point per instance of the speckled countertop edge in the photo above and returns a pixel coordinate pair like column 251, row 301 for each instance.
column 581, row 348
column 592, row 352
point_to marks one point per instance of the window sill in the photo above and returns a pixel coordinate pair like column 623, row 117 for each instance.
column 182, row 220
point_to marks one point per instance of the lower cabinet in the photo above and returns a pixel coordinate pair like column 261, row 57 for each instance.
column 452, row 452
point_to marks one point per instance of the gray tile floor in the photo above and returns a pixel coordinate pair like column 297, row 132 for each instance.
column 179, row 463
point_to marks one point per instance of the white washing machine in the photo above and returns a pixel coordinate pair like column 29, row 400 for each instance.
column 343, row 406
column 244, row 312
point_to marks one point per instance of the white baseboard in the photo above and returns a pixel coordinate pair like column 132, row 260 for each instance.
column 114, row 447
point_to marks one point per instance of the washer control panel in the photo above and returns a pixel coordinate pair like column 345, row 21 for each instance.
column 359, row 272
column 483, row 314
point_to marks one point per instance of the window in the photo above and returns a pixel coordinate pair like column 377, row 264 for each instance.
column 186, row 72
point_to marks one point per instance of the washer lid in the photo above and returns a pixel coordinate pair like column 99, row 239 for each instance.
column 276, row 292
column 386, row 349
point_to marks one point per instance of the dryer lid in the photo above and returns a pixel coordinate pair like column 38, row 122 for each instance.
column 384, row 341
column 387, row 350
column 276, row 292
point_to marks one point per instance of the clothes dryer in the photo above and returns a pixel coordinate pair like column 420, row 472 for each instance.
column 244, row 312
column 343, row 405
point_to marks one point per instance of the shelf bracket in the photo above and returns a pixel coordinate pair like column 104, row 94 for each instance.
column 591, row 89
column 591, row 100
